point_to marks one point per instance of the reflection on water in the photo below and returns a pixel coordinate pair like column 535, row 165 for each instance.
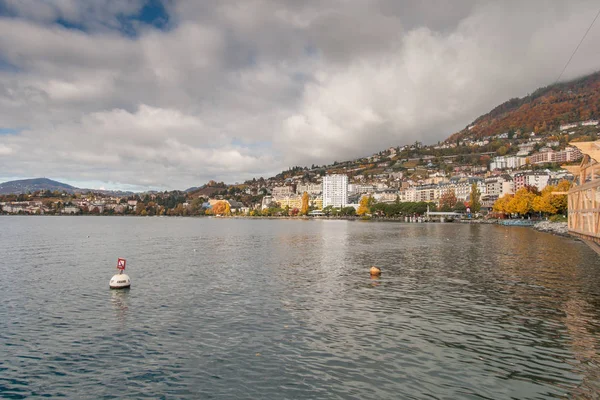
column 288, row 309
column 120, row 299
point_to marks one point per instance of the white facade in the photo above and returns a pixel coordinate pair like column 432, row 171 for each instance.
column 312, row 189
column 498, row 186
column 507, row 162
column 335, row 191
column 360, row 189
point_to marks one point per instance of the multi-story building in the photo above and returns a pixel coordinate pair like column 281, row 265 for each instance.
column 292, row 201
column 312, row 189
column 360, row 189
column 548, row 155
column 335, row 191
column 408, row 194
column 507, row 162
column 281, row 191
column 498, row 186
column 567, row 155
column 531, row 178
column 462, row 187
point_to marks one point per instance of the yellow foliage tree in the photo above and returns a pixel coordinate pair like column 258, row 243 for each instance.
column 522, row 202
column 365, row 205
column 501, row 205
column 543, row 202
column 304, row 209
column 560, row 201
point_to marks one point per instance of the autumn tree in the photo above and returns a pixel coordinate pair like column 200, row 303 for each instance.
column 543, row 203
column 559, row 201
column 365, row 205
column 221, row 208
column 304, row 209
column 447, row 201
column 522, row 202
column 474, row 201
column 501, row 205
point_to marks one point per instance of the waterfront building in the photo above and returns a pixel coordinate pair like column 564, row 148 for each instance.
column 291, row 201
column 335, row 191
column 498, row 186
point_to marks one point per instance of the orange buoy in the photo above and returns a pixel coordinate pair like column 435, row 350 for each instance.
column 375, row 271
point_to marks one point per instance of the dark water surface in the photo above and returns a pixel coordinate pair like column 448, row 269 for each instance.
column 267, row 309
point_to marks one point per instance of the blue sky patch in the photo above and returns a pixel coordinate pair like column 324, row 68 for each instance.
column 153, row 13
column 7, row 66
column 9, row 131
column 70, row 25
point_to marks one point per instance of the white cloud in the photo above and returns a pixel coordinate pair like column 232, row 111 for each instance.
column 241, row 89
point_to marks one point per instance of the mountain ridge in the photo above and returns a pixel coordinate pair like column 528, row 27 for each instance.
column 542, row 111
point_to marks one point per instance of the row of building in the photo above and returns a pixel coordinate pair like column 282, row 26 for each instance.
column 545, row 155
column 336, row 192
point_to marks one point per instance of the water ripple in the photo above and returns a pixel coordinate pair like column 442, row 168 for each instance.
column 286, row 309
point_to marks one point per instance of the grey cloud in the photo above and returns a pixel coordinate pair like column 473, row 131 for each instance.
column 247, row 88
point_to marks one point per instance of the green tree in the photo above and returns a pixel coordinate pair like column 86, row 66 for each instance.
column 460, row 207
column 348, row 211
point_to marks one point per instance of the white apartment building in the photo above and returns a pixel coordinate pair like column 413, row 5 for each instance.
column 498, row 186
column 507, row 162
column 335, row 191
column 537, row 179
column 408, row 194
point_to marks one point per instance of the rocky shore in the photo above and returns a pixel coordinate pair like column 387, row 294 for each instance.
column 557, row 228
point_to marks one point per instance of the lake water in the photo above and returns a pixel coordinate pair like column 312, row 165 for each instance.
column 274, row 309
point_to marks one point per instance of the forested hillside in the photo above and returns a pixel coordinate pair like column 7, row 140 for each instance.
column 542, row 111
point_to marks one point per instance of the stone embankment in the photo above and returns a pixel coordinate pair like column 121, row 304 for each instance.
column 557, row 228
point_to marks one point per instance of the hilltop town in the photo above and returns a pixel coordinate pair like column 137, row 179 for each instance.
column 519, row 144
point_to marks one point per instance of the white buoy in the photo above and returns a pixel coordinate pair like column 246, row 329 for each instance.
column 120, row 280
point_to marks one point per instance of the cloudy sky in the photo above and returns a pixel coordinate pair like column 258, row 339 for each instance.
column 138, row 94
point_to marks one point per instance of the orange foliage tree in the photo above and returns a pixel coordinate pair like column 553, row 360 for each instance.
column 221, row 208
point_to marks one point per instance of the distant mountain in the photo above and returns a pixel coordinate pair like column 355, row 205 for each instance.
column 542, row 111
column 33, row 185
